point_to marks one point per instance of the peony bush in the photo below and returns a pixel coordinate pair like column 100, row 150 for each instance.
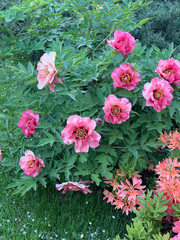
column 85, row 126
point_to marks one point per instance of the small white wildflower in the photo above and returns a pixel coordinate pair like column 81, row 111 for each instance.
column 21, row 230
column 86, row 202
column 92, row 235
column 13, row 202
column 24, row 226
column 8, row 220
column 15, row 219
column 33, row 219
column 56, row 236
column 24, row 232
column 45, row 218
column 82, row 235
column 113, row 217
column 35, row 231
column 90, row 223
column 103, row 231
column 27, row 213
column 0, row 225
column 49, row 225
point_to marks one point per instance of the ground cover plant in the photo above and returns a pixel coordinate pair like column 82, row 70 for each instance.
column 89, row 102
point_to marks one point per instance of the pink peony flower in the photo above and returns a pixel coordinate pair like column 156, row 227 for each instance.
column 177, row 237
column 176, row 228
column 116, row 109
column 125, row 77
column 169, row 70
column 158, row 94
column 31, row 164
column 47, row 71
column 123, row 42
column 74, row 186
column 80, row 131
column 28, row 122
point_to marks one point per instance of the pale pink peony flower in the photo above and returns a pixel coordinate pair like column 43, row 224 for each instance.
column 47, row 71
column 123, row 42
column 158, row 94
column 74, row 186
column 31, row 164
column 116, row 109
column 80, row 131
column 28, row 122
column 169, row 70
column 125, row 77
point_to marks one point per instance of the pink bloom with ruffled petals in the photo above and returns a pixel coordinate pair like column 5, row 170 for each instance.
column 176, row 228
column 169, row 70
column 47, row 71
column 28, row 122
column 31, row 164
column 116, row 109
column 123, row 42
column 74, row 186
column 125, row 77
column 158, row 94
column 79, row 130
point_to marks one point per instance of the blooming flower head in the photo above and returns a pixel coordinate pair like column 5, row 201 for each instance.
column 31, row 164
column 169, row 182
column 177, row 237
column 47, row 71
column 158, row 94
column 171, row 140
column 124, row 194
column 123, row 42
column 28, row 122
column 74, row 186
column 125, row 77
column 176, row 228
column 169, row 70
column 116, row 109
column 81, row 131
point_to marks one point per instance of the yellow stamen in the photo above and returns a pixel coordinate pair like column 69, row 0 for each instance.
column 31, row 163
column 80, row 133
column 168, row 71
column 126, row 78
column 115, row 110
column 157, row 94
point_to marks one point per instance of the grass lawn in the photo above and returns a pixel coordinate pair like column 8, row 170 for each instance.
column 48, row 214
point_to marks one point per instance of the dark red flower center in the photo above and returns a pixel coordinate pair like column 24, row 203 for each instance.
column 115, row 110
column 126, row 78
column 31, row 164
column 168, row 71
column 157, row 94
column 81, row 133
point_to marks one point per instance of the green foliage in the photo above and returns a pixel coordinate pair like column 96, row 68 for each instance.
column 176, row 207
column 163, row 26
column 141, row 230
column 152, row 209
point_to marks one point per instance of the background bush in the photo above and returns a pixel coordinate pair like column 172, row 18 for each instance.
column 163, row 26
